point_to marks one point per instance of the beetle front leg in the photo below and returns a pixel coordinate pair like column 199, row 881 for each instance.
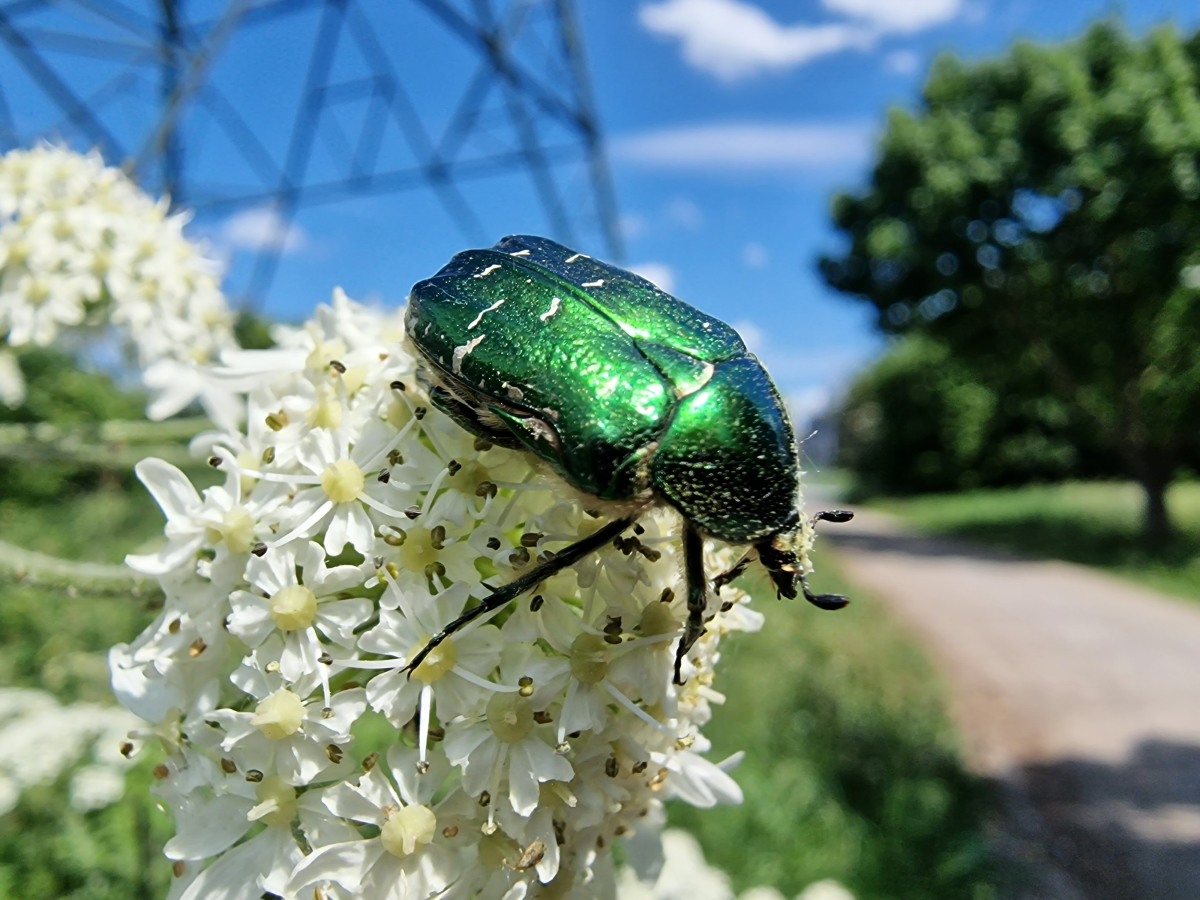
column 566, row 557
column 726, row 577
column 697, row 594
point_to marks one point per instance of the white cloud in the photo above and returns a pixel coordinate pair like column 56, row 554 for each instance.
column 263, row 228
column 902, row 62
column 685, row 213
column 748, row 146
column 735, row 39
column 754, row 255
column 797, row 366
column 732, row 39
column 806, row 404
column 902, row 16
column 632, row 226
column 659, row 273
column 751, row 333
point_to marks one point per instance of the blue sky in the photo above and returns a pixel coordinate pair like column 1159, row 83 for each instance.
column 729, row 124
column 732, row 124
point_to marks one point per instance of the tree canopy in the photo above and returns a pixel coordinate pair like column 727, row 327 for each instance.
column 1040, row 214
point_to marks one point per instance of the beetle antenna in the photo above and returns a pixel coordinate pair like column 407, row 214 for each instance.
column 832, row 515
column 822, row 601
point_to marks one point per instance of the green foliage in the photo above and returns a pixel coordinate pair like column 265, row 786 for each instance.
column 1091, row 523
column 920, row 420
column 851, row 768
column 1039, row 216
column 58, row 391
column 48, row 850
column 56, row 641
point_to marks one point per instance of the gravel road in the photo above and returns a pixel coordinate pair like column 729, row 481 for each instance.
column 1078, row 693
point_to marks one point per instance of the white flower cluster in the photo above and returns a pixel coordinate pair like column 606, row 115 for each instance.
column 686, row 875
column 354, row 521
column 82, row 247
column 84, row 736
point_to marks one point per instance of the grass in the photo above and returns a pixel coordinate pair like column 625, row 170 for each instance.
column 1092, row 523
column 852, row 770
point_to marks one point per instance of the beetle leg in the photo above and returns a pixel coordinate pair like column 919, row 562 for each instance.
column 470, row 417
column 564, row 558
column 725, row 577
column 697, row 594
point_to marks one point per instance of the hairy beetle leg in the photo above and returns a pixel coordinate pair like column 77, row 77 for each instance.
column 738, row 568
column 568, row 556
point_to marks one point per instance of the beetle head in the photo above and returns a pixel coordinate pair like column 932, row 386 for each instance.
column 785, row 557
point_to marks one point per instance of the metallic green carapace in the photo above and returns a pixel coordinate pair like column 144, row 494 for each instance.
column 629, row 393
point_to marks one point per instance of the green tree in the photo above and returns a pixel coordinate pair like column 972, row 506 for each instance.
column 919, row 420
column 1040, row 214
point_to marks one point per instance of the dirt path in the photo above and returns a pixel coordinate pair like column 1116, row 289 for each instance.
column 1079, row 693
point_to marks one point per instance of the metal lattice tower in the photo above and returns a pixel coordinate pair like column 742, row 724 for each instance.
column 176, row 92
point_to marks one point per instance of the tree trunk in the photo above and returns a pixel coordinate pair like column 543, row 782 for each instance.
column 1156, row 524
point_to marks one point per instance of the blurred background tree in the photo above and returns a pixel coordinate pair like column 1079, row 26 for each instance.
column 1036, row 220
column 920, row 420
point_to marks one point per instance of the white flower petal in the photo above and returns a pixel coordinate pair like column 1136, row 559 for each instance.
column 206, row 826
column 344, row 864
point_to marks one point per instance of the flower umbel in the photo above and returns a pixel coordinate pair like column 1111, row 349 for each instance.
column 82, row 247
column 356, row 520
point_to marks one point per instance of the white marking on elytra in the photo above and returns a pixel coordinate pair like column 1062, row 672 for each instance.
column 599, row 282
column 706, row 374
column 633, row 332
column 555, row 306
column 514, row 392
column 461, row 353
column 577, row 256
column 520, row 253
column 479, row 318
column 486, row 272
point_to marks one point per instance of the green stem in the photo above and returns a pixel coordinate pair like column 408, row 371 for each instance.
column 111, row 445
column 31, row 567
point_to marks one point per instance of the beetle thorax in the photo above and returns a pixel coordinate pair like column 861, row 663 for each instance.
column 727, row 460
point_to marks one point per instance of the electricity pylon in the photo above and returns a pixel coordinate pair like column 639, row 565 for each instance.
column 362, row 96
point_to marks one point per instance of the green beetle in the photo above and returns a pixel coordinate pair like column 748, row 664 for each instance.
column 630, row 395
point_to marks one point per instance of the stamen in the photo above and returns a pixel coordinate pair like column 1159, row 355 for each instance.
column 376, row 459
column 637, row 710
column 320, row 512
column 431, row 494
column 423, row 734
